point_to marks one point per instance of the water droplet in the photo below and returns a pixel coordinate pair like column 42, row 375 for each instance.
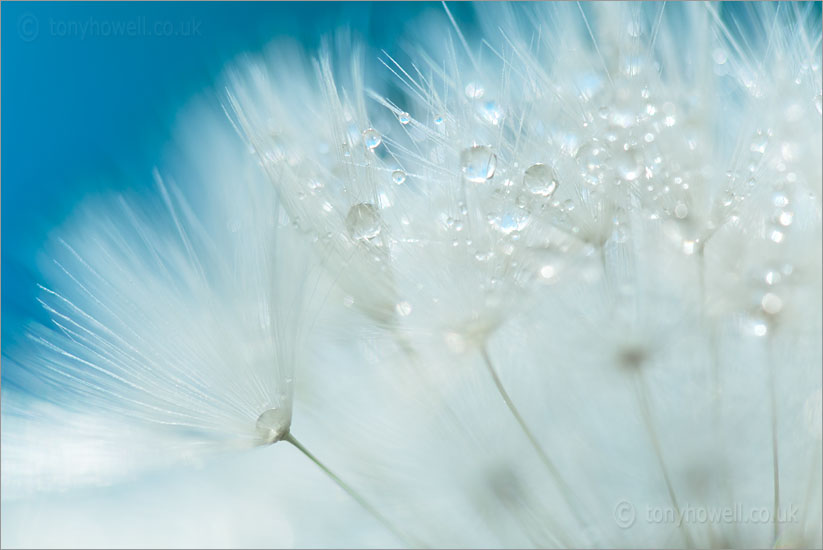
column 371, row 138
column 771, row 303
column 785, row 218
column 548, row 272
column 508, row 222
column 591, row 157
column 273, row 424
column 363, row 222
column 474, row 90
column 403, row 309
column 404, row 118
column 719, row 55
column 758, row 144
column 780, row 199
column 772, row 277
column 539, row 179
column 491, row 112
column 626, row 165
column 776, row 235
column 438, row 119
column 759, row 328
column 398, row 177
column 478, row 163
column 681, row 211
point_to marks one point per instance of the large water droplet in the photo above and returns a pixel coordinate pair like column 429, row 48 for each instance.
column 371, row 138
column 363, row 222
column 478, row 163
column 273, row 425
column 398, row 177
column 539, row 179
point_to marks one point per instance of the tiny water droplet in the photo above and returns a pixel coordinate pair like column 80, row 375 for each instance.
column 398, row 177
column 771, row 303
column 371, row 138
column 509, row 222
column 474, row 90
column 403, row 309
column 780, row 199
column 404, row 118
column 772, row 277
column 627, row 166
column 539, row 179
column 491, row 112
column 681, row 211
column 438, row 119
column 548, row 272
column 591, row 157
column 776, row 235
column 363, row 222
column 478, row 163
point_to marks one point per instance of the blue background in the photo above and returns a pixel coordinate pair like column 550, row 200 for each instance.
column 86, row 113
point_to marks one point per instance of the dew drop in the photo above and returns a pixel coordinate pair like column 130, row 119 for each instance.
column 273, row 425
column 474, row 90
column 772, row 277
column 491, row 112
column 478, row 163
column 626, row 166
column 591, row 157
column 539, row 179
column 776, row 235
column 681, row 211
column 404, row 118
column 548, row 271
column 403, row 309
column 371, row 138
column 398, row 177
column 438, row 119
column 719, row 56
column 759, row 328
column 510, row 222
column 363, row 222
column 780, row 199
column 771, row 303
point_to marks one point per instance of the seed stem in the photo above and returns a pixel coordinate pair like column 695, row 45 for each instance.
column 407, row 541
column 544, row 457
column 642, row 394
column 773, row 406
